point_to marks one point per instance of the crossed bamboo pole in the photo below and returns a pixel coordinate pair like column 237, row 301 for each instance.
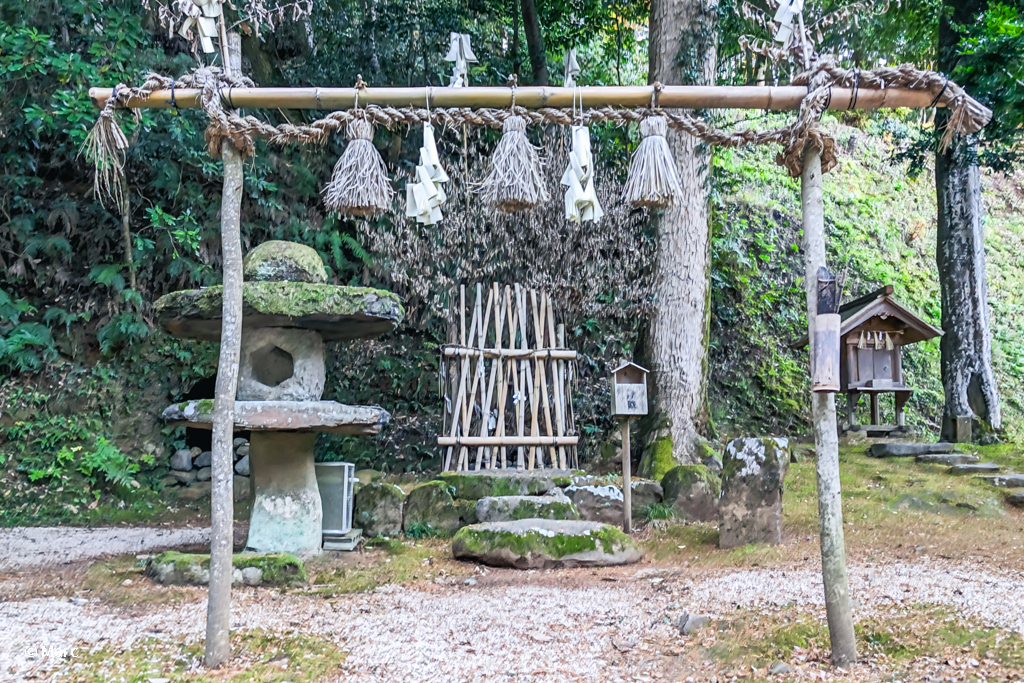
column 769, row 98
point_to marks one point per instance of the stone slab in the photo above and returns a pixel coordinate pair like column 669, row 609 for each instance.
column 975, row 468
column 509, row 508
column 908, row 450
column 317, row 416
column 598, row 503
column 337, row 313
column 1016, row 498
column 1010, row 480
column 948, row 459
column 488, row 483
column 545, row 543
column 378, row 509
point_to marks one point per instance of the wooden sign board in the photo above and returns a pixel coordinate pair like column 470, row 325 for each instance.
column 629, row 390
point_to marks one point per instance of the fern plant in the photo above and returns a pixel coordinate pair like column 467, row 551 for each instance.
column 107, row 461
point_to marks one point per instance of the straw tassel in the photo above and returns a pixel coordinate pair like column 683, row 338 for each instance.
column 106, row 147
column 423, row 198
column 653, row 180
column 580, row 198
column 360, row 185
column 863, row 343
column 515, row 182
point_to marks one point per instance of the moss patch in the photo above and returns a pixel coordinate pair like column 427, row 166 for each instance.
column 478, row 540
column 277, row 569
column 683, row 477
column 277, row 261
column 657, row 460
column 430, row 510
column 477, row 486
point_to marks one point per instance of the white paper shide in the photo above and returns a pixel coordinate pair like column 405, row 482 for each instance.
column 580, row 197
column 424, row 196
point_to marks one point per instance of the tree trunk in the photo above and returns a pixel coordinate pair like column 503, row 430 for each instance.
column 826, row 434
column 968, row 380
column 222, row 507
column 682, row 50
column 515, row 37
column 535, row 42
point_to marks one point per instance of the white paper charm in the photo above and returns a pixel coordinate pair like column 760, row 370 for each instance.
column 203, row 15
column 580, row 198
column 424, row 196
column 572, row 69
column 460, row 52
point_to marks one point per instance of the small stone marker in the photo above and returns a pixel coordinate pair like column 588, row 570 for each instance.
column 1006, row 481
column 692, row 491
column 378, row 509
column 750, row 509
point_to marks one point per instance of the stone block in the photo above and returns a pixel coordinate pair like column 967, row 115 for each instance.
column 204, row 474
column 645, row 493
column 205, row 459
column 378, row 509
column 200, row 490
column 544, row 543
column 692, row 491
column 491, row 483
column 281, row 364
column 184, row 477
column 509, row 508
column 750, row 507
column 240, row 487
column 908, row 450
column 242, row 466
column 598, row 503
column 430, row 510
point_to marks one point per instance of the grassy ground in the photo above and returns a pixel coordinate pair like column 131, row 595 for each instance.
column 256, row 656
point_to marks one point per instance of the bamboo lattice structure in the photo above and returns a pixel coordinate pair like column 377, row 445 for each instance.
column 508, row 402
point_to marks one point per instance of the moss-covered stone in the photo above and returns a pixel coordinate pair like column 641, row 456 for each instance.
column 692, row 491
column 493, row 483
column 750, row 507
column 378, row 509
column 657, row 459
column 508, row 508
column 540, row 543
column 430, row 510
column 275, row 569
column 280, row 261
column 338, row 313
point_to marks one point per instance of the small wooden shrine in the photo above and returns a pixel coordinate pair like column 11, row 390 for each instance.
column 874, row 330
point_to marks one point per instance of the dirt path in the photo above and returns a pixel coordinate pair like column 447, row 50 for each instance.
column 571, row 625
column 27, row 547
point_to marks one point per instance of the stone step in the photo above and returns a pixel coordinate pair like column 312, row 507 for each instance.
column 1009, row 480
column 975, row 468
column 1016, row 498
column 908, row 450
column 508, row 508
column 544, row 543
column 948, row 459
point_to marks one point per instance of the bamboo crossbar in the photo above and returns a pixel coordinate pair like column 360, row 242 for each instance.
column 472, row 352
column 508, row 440
column 773, row 98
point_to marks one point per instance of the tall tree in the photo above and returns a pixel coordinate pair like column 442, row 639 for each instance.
column 535, row 42
column 682, row 50
column 967, row 375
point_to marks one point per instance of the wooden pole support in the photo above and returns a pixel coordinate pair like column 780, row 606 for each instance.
column 627, row 486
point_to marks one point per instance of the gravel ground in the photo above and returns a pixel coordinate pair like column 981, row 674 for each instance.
column 27, row 547
column 573, row 625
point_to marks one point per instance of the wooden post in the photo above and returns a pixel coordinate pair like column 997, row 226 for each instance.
column 222, row 509
column 627, row 487
column 826, row 435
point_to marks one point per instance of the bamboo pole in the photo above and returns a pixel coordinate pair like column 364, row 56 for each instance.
column 826, row 440
column 772, row 98
column 535, row 440
column 556, row 354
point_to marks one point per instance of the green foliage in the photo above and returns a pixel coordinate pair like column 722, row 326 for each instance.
column 656, row 511
column 105, row 463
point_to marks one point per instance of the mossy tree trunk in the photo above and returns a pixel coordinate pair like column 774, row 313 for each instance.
column 222, row 507
column 682, row 50
column 826, row 434
column 968, row 379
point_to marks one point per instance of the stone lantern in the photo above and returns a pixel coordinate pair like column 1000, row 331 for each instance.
column 288, row 312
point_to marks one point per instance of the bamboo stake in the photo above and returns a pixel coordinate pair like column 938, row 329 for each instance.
column 517, row 386
column 566, row 399
column 484, row 315
column 460, row 402
column 556, row 391
column 485, row 414
column 542, row 366
column 771, row 98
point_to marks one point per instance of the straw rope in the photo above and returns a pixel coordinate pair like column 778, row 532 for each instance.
column 106, row 144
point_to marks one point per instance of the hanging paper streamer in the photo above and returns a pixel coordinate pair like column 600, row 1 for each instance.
column 515, row 182
column 203, row 15
column 572, row 69
column 360, row 184
column 460, row 52
column 652, row 179
column 424, row 197
column 580, row 198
